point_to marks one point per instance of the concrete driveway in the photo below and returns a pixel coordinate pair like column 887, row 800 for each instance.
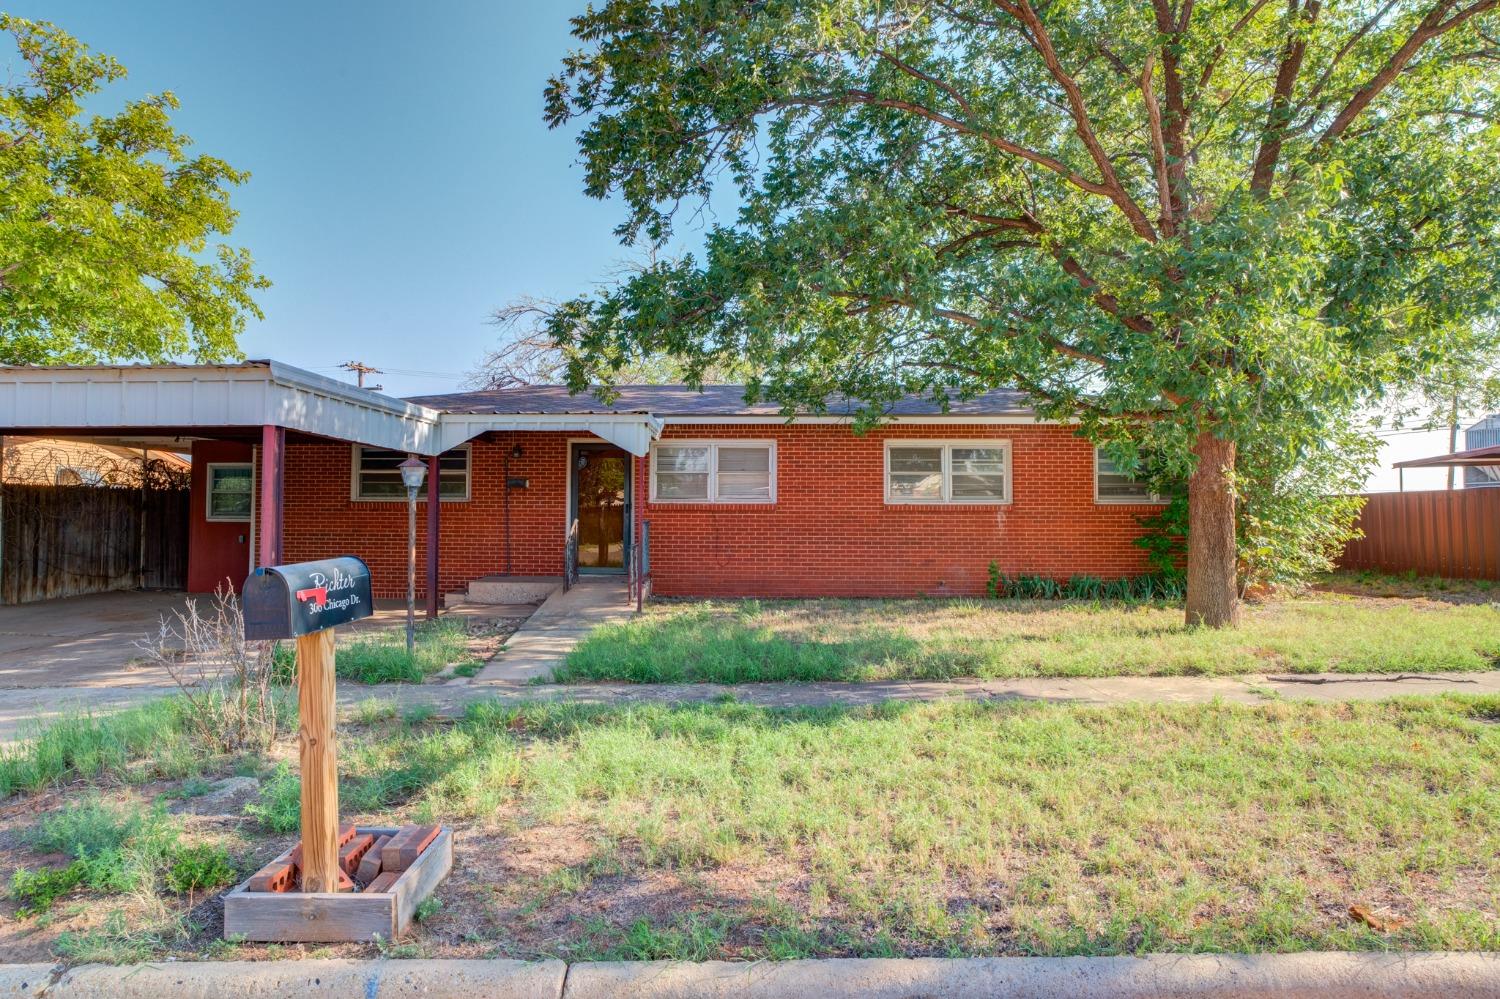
column 88, row 641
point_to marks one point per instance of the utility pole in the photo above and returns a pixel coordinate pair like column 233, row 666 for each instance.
column 361, row 369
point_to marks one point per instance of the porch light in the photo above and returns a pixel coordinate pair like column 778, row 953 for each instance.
column 413, row 474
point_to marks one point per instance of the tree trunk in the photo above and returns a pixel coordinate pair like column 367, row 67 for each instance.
column 1212, row 592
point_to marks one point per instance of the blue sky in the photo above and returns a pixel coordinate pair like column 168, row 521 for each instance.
column 404, row 185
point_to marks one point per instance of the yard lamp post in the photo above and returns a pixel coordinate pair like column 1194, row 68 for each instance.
column 413, row 472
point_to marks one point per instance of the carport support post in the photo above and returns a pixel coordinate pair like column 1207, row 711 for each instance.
column 320, row 768
column 272, row 452
column 434, row 535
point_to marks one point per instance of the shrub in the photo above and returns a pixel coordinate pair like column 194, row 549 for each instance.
column 1031, row 586
column 38, row 891
column 199, row 867
column 115, row 850
column 229, row 685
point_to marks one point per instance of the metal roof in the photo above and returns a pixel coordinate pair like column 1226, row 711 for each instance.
column 680, row 401
column 1478, row 456
column 101, row 400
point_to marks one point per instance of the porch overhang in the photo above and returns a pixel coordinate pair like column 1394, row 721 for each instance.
column 632, row 432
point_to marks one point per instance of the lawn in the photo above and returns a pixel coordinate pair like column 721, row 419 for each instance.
column 748, row 641
column 730, row 831
column 447, row 646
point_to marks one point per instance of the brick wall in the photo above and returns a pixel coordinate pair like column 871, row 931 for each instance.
column 829, row 532
column 322, row 520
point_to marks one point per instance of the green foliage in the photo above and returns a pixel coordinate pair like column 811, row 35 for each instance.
column 200, row 867
column 1164, row 537
column 382, row 657
column 1199, row 225
column 137, row 744
column 278, row 806
column 38, row 890
column 1155, row 586
column 116, row 848
column 109, row 229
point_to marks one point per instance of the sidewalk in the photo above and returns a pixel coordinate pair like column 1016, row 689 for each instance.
column 1327, row 975
column 42, row 703
column 559, row 624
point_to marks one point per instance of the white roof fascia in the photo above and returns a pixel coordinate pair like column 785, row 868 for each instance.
column 633, row 432
column 207, row 396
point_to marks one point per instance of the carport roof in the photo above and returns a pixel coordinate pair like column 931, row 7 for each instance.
column 214, row 399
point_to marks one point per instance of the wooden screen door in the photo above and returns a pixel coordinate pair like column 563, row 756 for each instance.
column 599, row 500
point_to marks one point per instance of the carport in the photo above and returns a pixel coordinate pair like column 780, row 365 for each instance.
column 251, row 411
column 255, row 406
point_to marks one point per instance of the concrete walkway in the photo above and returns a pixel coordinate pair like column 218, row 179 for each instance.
column 558, row 625
column 1328, row 975
column 20, row 710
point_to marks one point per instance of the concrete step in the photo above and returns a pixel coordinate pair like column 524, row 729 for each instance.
column 512, row 589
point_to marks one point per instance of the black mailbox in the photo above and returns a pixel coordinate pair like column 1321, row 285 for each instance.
column 284, row 601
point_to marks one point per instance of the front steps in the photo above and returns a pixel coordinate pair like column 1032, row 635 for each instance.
column 506, row 590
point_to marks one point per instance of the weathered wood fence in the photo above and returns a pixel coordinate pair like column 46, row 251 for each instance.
column 1453, row 533
column 60, row 541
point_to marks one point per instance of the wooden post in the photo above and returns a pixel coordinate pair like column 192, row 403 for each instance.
column 434, row 533
column 272, row 468
column 320, row 770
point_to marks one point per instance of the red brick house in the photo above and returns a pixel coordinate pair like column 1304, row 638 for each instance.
column 716, row 497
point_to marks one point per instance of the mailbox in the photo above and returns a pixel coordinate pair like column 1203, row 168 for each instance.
column 284, row 601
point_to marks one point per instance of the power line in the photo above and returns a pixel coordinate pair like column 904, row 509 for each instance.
column 361, row 369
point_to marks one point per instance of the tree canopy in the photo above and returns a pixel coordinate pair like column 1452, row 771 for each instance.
column 109, row 228
column 1213, row 230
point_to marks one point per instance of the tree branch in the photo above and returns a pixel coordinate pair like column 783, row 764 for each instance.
column 1432, row 26
column 1037, row 34
column 1279, row 113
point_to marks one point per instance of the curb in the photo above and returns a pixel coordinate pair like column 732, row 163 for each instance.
column 1329, row 975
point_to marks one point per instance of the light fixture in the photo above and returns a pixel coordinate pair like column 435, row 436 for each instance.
column 413, row 473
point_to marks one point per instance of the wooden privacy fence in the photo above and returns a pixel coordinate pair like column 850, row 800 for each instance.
column 1453, row 533
column 61, row 541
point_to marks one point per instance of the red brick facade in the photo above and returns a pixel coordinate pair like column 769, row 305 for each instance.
column 829, row 533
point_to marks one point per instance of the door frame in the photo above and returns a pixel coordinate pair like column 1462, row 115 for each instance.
column 570, row 505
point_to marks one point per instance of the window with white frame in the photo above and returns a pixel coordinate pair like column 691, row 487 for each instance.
column 229, row 487
column 973, row 471
column 377, row 474
column 1114, row 486
column 713, row 472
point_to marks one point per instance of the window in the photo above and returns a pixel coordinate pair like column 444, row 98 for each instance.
column 229, row 487
column 1113, row 486
column 710, row 472
column 377, row 474
column 947, row 472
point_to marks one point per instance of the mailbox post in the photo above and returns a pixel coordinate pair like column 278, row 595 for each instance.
column 305, row 601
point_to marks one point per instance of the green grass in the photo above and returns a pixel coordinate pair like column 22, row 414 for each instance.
column 848, row 640
column 381, row 657
column 149, row 742
column 963, row 828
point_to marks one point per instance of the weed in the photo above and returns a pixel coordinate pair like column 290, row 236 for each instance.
column 200, row 867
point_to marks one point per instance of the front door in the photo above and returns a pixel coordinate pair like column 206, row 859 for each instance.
column 599, row 502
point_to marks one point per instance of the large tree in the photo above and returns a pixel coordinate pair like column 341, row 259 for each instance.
column 109, row 228
column 1207, row 227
